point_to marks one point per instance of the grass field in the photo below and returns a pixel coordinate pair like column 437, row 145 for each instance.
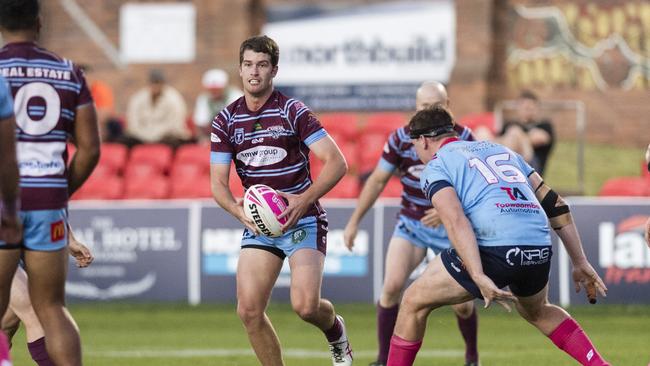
column 135, row 335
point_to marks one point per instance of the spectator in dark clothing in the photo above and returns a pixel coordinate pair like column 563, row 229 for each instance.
column 529, row 135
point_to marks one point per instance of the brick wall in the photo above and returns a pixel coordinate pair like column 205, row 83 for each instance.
column 616, row 114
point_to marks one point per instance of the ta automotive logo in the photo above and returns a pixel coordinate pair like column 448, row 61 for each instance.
column 623, row 251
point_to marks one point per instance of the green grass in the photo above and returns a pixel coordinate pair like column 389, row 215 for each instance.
column 601, row 163
column 109, row 331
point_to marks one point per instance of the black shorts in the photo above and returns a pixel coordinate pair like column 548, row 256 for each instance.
column 523, row 268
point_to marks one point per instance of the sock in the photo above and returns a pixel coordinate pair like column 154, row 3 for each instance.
column 569, row 337
column 335, row 332
column 469, row 329
column 402, row 352
column 39, row 353
column 386, row 319
column 4, row 348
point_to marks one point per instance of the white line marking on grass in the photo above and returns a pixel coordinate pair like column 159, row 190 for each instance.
column 229, row 352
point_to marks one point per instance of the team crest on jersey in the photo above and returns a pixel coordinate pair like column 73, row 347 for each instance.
column 239, row 135
column 276, row 131
column 298, row 236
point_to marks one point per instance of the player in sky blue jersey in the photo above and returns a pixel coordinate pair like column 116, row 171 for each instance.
column 497, row 212
column 10, row 227
column 418, row 228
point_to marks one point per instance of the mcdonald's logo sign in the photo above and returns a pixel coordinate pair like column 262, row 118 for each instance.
column 57, row 231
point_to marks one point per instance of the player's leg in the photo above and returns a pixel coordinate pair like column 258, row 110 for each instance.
column 402, row 257
column 257, row 271
column 47, row 273
column 468, row 325
column 8, row 263
column 20, row 304
column 560, row 327
column 434, row 288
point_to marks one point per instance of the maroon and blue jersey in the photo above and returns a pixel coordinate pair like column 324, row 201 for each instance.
column 47, row 91
column 269, row 146
column 399, row 153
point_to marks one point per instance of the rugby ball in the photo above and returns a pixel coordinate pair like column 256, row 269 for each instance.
column 262, row 204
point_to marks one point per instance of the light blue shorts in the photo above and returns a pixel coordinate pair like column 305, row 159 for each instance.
column 43, row 230
column 309, row 232
column 434, row 238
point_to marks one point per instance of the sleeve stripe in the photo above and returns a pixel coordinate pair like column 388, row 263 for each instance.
column 435, row 187
column 220, row 157
column 385, row 165
column 315, row 137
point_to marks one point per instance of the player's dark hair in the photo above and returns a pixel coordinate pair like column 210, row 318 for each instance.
column 527, row 94
column 262, row 44
column 434, row 121
column 16, row 15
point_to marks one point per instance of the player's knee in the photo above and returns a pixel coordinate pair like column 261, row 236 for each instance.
column 391, row 291
column 306, row 310
column 464, row 310
column 249, row 314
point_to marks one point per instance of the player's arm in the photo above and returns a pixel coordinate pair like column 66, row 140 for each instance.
column 561, row 220
column 10, row 227
column 334, row 168
column 461, row 235
column 371, row 190
column 86, row 138
column 219, row 183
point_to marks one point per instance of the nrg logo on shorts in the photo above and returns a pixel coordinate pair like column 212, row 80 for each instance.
column 528, row 257
column 57, row 231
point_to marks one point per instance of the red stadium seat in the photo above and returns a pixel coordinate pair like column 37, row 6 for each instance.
column 340, row 124
column 235, row 183
column 347, row 187
column 474, row 121
column 147, row 187
column 113, row 156
column 393, row 188
column 157, row 155
column 186, row 186
column 101, row 188
column 193, row 154
column 626, row 186
column 385, row 122
column 372, row 145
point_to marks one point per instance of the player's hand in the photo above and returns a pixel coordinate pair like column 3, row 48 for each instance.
column 491, row 293
column 349, row 234
column 296, row 208
column 584, row 276
column 80, row 252
column 241, row 216
column 431, row 218
column 11, row 229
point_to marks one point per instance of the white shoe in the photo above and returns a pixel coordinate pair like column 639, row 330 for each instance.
column 341, row 350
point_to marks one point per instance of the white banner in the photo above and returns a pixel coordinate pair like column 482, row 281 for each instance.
column 396, row 43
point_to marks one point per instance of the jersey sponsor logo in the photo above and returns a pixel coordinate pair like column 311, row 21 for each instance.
column 416, row 170
column 276, row 131
column 622, row 251
column 214, row 137
column 514, row 193
column 528, row 257
column 239, row 135
column 262, row 155
column 258, row 141
column 57, row 231
column 37, row 159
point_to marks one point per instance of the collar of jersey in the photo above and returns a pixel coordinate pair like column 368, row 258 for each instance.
column 448, row 140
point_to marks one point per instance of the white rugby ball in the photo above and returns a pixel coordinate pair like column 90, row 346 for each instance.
column 262, row 204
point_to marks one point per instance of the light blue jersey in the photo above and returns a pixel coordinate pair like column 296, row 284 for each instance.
column 6, row 102
column 492, row 185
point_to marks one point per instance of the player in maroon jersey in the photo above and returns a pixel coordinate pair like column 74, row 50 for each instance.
column 52, row 102
column 269, row 137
